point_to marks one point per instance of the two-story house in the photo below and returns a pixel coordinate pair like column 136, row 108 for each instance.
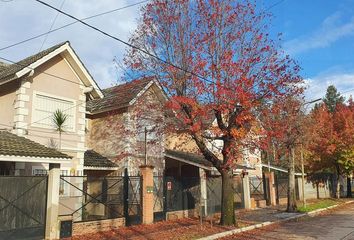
column 32, row 89
column 126, row 125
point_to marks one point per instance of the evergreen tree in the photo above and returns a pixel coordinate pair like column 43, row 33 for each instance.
column 332, row 98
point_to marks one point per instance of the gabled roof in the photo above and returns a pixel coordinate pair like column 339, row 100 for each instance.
column 12, row 145
column 120, row 96
column 9, row 72
column 95, row 160
column 11, row 69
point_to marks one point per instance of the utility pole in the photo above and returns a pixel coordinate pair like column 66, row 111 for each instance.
column 303, row 175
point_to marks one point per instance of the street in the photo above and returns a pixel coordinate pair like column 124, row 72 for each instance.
column 337, row 224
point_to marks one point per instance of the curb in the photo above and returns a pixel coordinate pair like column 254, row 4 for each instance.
column 260, row 225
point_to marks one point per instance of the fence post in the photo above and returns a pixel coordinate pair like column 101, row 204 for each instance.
column 126, row 196
column 51, row 222
column 147, row 193
column 246, row 195
column 272, row 192
column 203, row 191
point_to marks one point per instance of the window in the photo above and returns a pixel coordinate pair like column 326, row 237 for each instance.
column 44, row 107
column 63, row 186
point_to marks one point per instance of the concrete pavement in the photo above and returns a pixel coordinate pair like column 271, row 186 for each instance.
column 336, row 224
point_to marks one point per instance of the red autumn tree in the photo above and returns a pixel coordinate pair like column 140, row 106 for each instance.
column 285, row 123
column 332, row 141
column 216, row 58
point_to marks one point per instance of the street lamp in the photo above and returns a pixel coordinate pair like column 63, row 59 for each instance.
column 302, row 160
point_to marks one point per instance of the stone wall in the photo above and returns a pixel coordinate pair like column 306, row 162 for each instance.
column 80, row 228
column 181, row 214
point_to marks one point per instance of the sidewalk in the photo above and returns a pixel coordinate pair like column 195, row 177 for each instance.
column 190, row 228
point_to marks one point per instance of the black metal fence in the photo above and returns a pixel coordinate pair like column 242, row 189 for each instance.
column 257, row 189
column 132, row 200
column 281, row 187
column 91, row 198
column 22, row 207
column 238, row 191
column 214, row 187
column 182, row 193
column 159, row 199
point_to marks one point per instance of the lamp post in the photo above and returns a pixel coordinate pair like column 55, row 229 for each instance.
column 302, row 160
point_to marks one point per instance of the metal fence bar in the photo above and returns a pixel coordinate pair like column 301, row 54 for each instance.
column 93, row 197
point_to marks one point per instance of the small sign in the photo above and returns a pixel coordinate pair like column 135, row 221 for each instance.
column 169, row 186
column 149, row 189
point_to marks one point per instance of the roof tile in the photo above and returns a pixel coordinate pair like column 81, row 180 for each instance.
column 13, row 145
column 118, row 96
column 7, row 71
column 94, row 159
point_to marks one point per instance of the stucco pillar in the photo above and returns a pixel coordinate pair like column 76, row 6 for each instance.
column 299, row 183
column 203, row 191
column 51, row 223
column 147, row 193
column 272, row 192
column 246, row 194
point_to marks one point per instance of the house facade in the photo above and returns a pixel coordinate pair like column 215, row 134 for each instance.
column 126, row 125
column 32, row 89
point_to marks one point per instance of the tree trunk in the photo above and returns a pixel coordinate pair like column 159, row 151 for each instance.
column 349, row 187
column 59, row 141
column 291, row 185
column 227, row 199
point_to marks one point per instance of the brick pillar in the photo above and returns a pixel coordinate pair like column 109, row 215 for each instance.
column 272, row 192
column 147, row 193
column 246, row 193
column 52, row 222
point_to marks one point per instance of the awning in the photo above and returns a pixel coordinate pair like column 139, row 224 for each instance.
column 280, row 169
column 14, row 148
column 95, row 161
column 197, row 160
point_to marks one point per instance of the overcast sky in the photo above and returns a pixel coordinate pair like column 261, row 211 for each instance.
column 317, row 33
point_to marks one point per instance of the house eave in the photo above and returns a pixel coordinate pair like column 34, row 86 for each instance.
column 31, row 159
column 70, row 54
column 101, row 168
column 190, row 162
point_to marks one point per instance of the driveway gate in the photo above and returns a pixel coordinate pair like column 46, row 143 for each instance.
column 22, row 207
column 182, row 193
column 132, row 203
column 159, row 199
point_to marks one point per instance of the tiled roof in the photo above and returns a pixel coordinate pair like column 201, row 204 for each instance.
column 13, row 145
column 3, row 66
column 191, row 157
column 94, row 159
column 8, row 71
column 118, row 96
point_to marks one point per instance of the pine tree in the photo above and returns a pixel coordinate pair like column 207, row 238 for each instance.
column 332, row 98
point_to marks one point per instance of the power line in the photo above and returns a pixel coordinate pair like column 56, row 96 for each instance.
column 124, row 42
column 274, row 5
column 69, row 24
column 133, row 46
column 52, row 25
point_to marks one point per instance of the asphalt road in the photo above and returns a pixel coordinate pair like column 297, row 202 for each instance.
column 336, row 224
